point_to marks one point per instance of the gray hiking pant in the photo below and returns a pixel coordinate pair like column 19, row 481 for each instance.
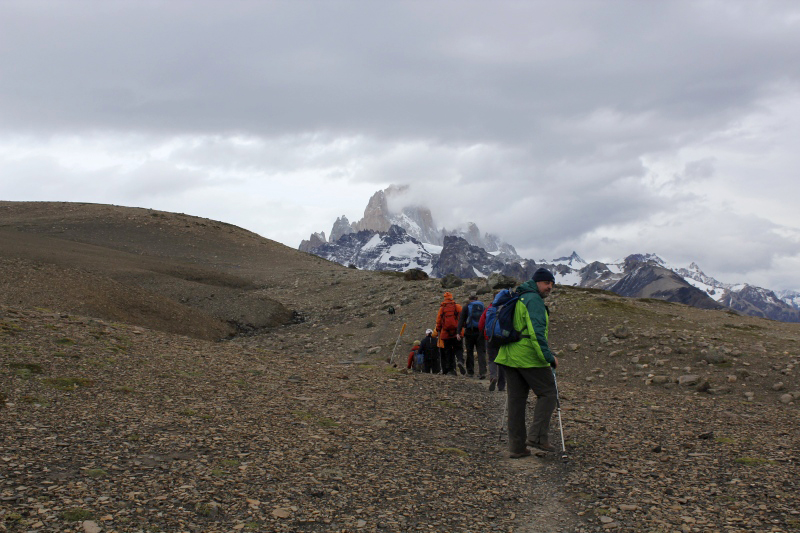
column 520, row 381
column 496, row 372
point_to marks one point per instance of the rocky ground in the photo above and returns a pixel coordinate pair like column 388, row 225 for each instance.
column 675, row 419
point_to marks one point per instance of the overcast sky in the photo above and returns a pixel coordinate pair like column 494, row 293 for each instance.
column 605, row 127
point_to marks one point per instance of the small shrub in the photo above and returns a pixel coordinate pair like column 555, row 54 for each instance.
column 76, row 514
column 327, row 422
column 26, row 369
column 96, row 472
column 446, row 403
column 188, row 412
column 724, row 440
column 453, row 451
column 370, row 324
column 230, row 462
column 65, row 341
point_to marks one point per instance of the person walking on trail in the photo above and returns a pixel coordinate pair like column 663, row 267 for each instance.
column 413, row 361
column 527, row 365
column 447, row 331
column 497, row 374
column 431, row 351
column 468, row 330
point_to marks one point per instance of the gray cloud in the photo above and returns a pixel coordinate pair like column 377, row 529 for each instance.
column 607, row 128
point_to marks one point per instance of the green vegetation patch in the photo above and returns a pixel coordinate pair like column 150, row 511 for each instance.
column 65, row 341
column 96, row 472
column 724, row 440
column 453, row 451
column 27, row 368
column 76, row 514
column 752, row 461
column 10, row 328
column 69, row 383
column 34, row 400
column 446, row 403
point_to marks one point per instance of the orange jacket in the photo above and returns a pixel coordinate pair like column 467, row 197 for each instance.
column 447, row 319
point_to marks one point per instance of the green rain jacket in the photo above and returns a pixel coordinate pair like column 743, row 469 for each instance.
column 530, row 315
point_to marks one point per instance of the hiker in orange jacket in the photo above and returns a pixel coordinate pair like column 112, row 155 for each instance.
column 447, row 328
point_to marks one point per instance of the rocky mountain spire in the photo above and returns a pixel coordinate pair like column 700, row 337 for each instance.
column 341, row 227
column 316, row 239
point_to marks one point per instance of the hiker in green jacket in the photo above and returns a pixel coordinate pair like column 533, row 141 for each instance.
column 527, row 365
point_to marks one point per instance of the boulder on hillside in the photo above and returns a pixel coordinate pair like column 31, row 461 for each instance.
column 451, row 281
column 500, row 281
column 415, row 274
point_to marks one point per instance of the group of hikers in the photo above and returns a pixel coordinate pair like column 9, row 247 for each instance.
column 511, row 335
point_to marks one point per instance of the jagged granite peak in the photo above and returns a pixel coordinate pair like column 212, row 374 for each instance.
column 465, row 260
column 487, row 241
column 694, row 275
column 646, row 279
column 378, row 250
column 572, row 260
column 643, row 258
column 316, row 240
column 756, row 301
column 376, row 214
column 341, row 227
column 415, row 219
column 597, row 275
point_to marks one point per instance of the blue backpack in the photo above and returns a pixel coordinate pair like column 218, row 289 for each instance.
column 499, row 322
column 474, row 312
column 419, row 359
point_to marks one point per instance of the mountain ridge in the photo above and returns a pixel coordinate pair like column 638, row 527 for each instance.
column 467, row 253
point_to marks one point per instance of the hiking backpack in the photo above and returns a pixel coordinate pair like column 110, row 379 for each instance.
column 474, row 312
column 450, row 319
column 419, row 360
column 499, row 322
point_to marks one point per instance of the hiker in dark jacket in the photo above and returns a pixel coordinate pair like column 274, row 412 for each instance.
column 431, row 351
column 497, row 374
column 468, row 330
column 528, row 365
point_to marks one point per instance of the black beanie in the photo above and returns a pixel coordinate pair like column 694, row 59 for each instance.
column 543, row 275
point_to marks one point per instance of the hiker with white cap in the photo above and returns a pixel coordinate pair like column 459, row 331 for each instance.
column 431, row 351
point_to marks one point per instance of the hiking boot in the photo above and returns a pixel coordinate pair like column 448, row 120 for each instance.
column 482, row 376
column 517, row 455
column 542, row 445
column 462, row 368
column 492, row 384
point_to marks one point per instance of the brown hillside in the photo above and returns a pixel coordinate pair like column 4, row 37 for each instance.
column 675, row 418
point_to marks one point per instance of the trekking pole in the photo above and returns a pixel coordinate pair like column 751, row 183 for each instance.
column 560, row 427
column 502, row 420
column 391, row 359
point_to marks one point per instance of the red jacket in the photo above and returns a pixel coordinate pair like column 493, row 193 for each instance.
column 482, row 323
column 447, row 309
